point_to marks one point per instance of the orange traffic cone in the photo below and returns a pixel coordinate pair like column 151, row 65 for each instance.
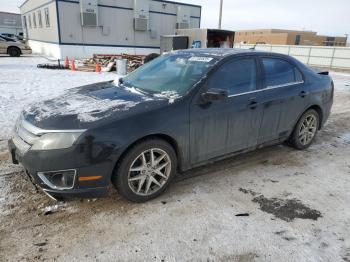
column 67, row 62
column 73, row 66
column 98, row 68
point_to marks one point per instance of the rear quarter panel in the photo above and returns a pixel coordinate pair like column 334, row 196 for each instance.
column 321, row 93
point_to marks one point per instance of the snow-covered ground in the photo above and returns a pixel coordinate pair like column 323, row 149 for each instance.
column 275, row 204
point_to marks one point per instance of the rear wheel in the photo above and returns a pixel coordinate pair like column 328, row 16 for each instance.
column 305, row 131
column 145, row 171
column 14, row 51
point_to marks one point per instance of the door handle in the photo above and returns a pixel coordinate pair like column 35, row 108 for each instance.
column 304, row 94
column 253, row 104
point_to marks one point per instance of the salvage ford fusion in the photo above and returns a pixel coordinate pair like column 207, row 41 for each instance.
column 182, row 110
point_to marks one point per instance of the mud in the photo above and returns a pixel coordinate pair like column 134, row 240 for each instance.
column 286, row 209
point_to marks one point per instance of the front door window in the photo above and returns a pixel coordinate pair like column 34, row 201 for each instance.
column 236, row 77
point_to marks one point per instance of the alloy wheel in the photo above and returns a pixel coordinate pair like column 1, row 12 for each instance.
column 149, row 172
column 308, row 129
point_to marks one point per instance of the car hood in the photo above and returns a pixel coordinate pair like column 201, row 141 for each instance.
column 16, row 43
column 89, row 106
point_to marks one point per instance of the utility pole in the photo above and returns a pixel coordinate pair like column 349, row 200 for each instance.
column 220, row 16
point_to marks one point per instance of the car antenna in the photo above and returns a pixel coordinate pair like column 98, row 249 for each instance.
column 256, row 43
column 253, row 48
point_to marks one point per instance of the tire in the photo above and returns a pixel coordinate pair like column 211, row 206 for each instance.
column 14, row 52
column 150, row 57
column 138, row 185
column 303, row 134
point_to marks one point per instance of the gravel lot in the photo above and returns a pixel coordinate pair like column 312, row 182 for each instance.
column 275, row 204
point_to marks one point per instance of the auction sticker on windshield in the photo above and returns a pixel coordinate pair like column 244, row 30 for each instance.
column 200, row 59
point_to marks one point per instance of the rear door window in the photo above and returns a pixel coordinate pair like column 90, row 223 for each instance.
column 279, row 72
column 236, row 77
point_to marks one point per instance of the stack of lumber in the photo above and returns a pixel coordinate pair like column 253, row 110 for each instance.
column 134, row 61
column 108, row 62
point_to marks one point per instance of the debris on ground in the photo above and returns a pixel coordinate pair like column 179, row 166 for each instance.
column 40, row 244
column 53, row 209
column 247, row 191
column 57, row 66
column 242, row 215
column 104, row 63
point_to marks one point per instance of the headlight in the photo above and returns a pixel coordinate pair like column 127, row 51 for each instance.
column 55, row 141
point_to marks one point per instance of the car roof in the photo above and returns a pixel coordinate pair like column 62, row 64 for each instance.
column 218, row 52
column 226, row 52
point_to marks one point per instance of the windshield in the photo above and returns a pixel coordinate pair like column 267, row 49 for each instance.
column 176, row 73
column 8, row 39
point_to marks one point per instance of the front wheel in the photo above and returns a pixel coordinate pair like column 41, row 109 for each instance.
column 14, row 52
column 305, row 131
column 145, row 171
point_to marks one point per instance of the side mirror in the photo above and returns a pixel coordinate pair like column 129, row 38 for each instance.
column 214, row 94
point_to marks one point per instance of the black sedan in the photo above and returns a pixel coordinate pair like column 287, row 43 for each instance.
column 181, row 110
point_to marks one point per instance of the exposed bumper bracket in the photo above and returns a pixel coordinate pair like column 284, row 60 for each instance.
column 32, row 181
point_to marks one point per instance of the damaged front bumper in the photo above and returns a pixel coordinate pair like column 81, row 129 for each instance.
column 39, row 164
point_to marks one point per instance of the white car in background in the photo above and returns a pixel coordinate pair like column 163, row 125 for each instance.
column 13, row 48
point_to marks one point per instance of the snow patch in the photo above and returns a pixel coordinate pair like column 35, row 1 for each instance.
column 341, row 81
column 87, row 108
column 170, row 95
column 133, row 90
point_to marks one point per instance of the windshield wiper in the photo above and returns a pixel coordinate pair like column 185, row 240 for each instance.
column 126, row 85
column 144, row 91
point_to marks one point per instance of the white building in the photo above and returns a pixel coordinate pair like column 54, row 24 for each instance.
column 60, row 28
column 10, row 23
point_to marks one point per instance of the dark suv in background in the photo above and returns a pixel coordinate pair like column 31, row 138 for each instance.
column 181, row 110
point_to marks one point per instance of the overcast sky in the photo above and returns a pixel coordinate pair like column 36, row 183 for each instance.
column 331, row 17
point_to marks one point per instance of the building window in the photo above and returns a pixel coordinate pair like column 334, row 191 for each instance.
column 34, row 20
column 47, row 17
column 11, row 22
column 40, row 19
column 330, row 41
column 297, row 39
